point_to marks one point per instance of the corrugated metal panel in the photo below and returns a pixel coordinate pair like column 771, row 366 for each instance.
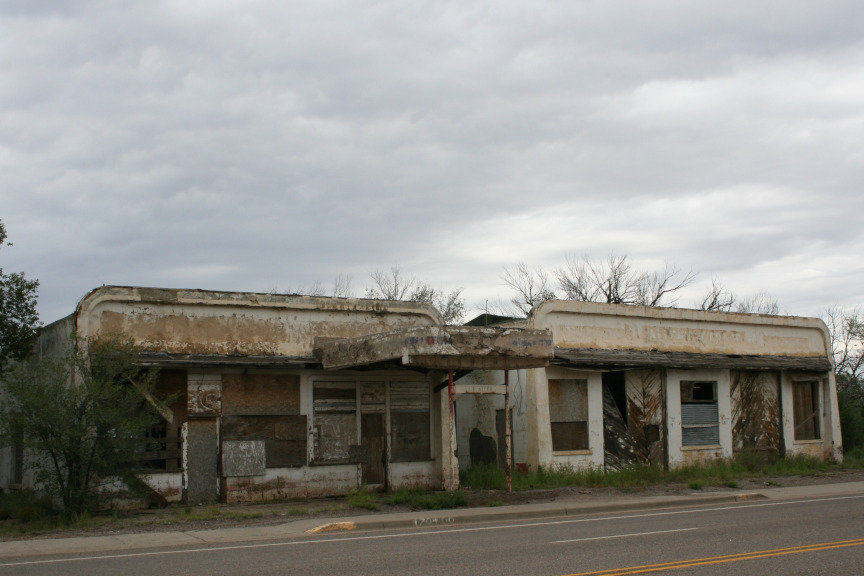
column 409, row 397
column 699, row 423
column 695, row 414
column 702, row 436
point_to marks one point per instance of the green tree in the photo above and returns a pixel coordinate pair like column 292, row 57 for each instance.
column 82, row 416
column 18, row 318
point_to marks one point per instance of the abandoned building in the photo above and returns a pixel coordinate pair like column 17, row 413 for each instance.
column 296, row 396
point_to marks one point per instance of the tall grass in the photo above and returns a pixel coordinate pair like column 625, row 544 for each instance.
column 720, row 472
column 419, row 499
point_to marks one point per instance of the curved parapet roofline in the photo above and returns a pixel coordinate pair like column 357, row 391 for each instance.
column 540, row 317
column 251, row 300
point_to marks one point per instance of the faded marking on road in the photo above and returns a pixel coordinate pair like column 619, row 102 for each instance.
column 418, row 522
column 723, row 559
column 427, row 533
column 623, row 535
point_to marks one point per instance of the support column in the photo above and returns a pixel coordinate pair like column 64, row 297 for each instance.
column 452, row 478
column 508, row 431
column 201, row 482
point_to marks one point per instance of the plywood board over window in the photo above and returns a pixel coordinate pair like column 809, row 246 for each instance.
column 284, row 437
column 335, row 422
column 568, row 414
column 805, row 410
column 410, row 422
column 260, row 394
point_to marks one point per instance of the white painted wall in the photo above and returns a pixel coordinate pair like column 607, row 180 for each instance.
column 684, row 455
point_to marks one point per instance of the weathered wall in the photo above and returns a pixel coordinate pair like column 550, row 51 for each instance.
column 614, row 327
column 481, row 412
column 201, row 322
column 756, row 412
column 680, row 455
column 54, row 339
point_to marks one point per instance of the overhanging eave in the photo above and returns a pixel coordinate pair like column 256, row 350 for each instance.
column 442, row 348
column 631, row 359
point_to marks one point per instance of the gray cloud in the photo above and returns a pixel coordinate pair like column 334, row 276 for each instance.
column 233, row 145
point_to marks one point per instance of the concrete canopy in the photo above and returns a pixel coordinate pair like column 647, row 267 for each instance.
column 442, row 348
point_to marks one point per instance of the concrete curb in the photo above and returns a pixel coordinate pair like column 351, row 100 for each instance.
column 534, row 511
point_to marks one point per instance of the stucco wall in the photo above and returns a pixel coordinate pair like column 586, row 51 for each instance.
column 615, row 327
column 201, row 322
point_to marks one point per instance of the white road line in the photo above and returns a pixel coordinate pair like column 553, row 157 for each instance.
column 623, row 535
column 426, row 533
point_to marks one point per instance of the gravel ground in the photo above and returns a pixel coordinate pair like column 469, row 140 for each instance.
column 227, row 516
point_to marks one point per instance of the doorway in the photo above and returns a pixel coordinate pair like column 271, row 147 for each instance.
column 372, row 441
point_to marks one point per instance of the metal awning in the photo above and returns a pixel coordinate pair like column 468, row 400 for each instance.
column 623, row 359
column 442, row 348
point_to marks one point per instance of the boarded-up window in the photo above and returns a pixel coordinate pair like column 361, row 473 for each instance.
column 284, row 437
column 568, row 413
column 805, row 410
column 260, row 394
column 699, row 417
column 410, row 422
column 335, row 413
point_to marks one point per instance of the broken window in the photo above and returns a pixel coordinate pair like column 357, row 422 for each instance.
column 568, row 414
column 699, row 417
column 805, row 410
column 410, row 422
column 335, row 422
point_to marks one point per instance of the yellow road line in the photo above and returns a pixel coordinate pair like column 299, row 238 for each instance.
column 722, row 559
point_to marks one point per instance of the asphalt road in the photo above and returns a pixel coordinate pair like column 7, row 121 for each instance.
column 812, row 537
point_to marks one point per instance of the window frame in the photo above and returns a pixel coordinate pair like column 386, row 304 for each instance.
column 701, row 418
column 569, row 433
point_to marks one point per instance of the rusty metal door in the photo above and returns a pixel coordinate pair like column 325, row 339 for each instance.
column 372, row 441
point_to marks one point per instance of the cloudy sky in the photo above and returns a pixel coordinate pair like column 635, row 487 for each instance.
column 268, row 145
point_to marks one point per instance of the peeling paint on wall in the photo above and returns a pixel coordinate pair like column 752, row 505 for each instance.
column 756, row 413
column 645, row 415
column 204, row 395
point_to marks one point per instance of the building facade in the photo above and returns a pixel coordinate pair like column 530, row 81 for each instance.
column 294, row 396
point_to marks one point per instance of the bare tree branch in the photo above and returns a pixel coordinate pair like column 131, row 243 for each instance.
column 615, row 281
column 717, row 299
column 531, row 286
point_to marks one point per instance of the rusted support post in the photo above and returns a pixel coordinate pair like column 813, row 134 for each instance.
column 451, row 391
column 508, row 441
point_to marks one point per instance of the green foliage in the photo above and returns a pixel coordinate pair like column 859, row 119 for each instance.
column 419, row 499
column 18, row 318
column 439, row 500
column 854, row 458
column 719, row 472
column 484, row 477
column 84, row 415
column 362, row 497
column 24, row 506
column 851, row 416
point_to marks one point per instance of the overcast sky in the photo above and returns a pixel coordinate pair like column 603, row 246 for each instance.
column 266, row 145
